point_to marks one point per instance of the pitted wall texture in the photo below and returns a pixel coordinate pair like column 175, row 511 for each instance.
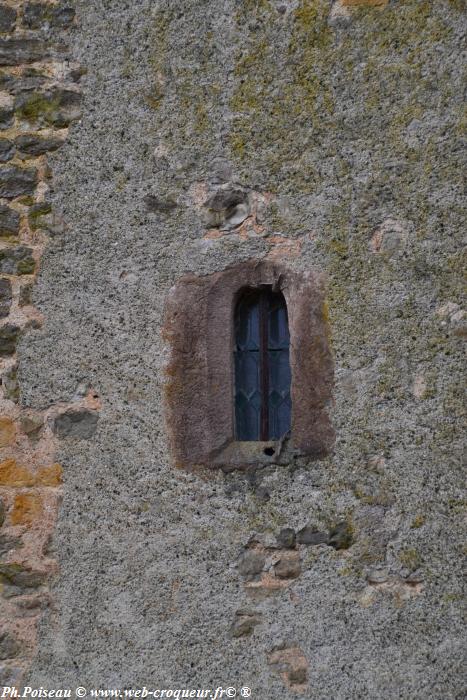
column 335, row 130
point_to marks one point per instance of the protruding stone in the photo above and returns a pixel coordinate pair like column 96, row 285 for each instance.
column 8, row 337
column 288, row 568
column 390, row 237
column 17, row 261
column 377, row 576
column 31, row 424
column 7, row 150
column 40, row 15
column 56, row 107
column 5, row 297
column 340, row 537
column 415, row 577
column 311, row 536
column 15, row 181
column 227, row 208
column 31, row 145
column 80, row 423
column 244, row 624
column 158, row 205
column 292, row 665
column 251, row 563
column 286, row 538
column 7, row 18
column 16, row 51
column 2, row 512
column 9, row 222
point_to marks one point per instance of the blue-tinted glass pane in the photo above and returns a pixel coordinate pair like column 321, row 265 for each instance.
column 247, row 371
column 249, row 403
column 279, row 370
column 247, row 413
column 279, row 403
column 278, row 324
column 280, row 419
column 247, row 324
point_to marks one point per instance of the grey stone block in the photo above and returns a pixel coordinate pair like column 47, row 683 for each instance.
column 7, row 150
column 17, row 261
column 76, row 424
column 9, row 221
column 5, row 297
column 15, row 51
column 7, row 18
column 16, row 181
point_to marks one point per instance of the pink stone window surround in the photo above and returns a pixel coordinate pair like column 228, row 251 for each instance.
column 199, row 388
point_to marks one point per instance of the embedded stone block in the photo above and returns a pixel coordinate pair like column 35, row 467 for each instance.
column 311, row 536
column 7, row 431
column 17, row 261
column 80, row 423
column 15, row 181
column 9, row 221
column 363, row 3
column 31, row 145
column 292, row 665
column 41, row 15
column 21, row 576
column 16, row 51
column 7, row 150
column 8, row 337
column 14, row 475
column 55, row 107
column 7, row 18
column 5, row 297
column 49, row 476
column 28, row 509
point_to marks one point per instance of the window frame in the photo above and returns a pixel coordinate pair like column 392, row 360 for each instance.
column 198, row 388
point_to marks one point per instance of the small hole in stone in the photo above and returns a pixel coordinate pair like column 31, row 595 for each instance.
column 269, row 451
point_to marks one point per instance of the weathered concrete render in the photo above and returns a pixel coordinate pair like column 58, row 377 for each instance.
column 317, row 134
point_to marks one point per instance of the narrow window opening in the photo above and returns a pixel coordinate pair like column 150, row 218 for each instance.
column 262, row 366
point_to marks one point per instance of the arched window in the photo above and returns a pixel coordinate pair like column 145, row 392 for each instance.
column 262, row 366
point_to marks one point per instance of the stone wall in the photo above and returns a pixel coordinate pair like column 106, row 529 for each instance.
column 337, row 128
column 39, row 99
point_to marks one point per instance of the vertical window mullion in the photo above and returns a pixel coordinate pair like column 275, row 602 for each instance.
column 264, row 365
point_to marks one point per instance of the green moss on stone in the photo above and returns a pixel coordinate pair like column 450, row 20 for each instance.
column 410, row 558
column 26, row 267
column 37, row 108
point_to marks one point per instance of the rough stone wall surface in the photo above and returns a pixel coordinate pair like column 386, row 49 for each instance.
column 39, row 99
column 326, row 135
